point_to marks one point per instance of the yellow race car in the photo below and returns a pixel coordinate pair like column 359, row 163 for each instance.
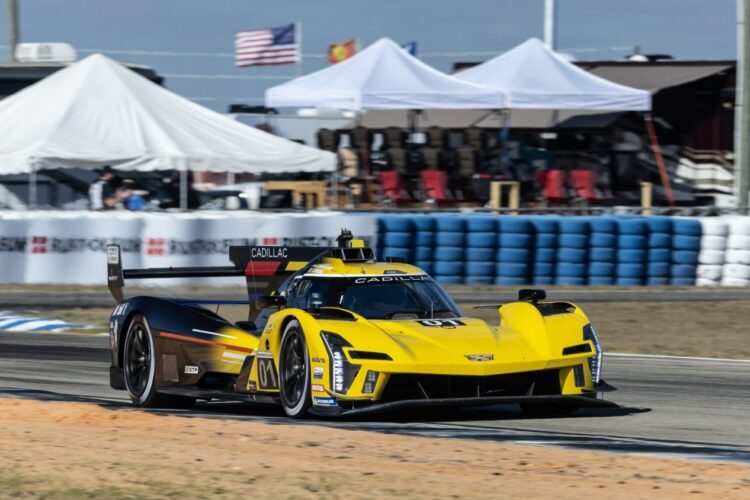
column 331, row 331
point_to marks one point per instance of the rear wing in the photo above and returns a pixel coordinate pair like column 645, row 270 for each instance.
column 264, row 267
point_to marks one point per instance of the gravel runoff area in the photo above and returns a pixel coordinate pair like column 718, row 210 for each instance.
column 73, row 450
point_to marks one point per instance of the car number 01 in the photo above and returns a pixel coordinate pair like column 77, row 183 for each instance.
column 267, row 374
column 440, row 322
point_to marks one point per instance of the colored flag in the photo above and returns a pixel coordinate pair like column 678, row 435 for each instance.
column 411, row 48
column 338, row 52
column 267, row 47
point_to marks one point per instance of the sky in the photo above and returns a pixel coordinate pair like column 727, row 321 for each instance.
column 686, row 29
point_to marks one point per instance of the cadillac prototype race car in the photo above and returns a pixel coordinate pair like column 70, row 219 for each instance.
column 331, row 331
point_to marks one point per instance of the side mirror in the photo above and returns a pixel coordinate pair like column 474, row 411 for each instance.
column 532, row 295
column 272, row 301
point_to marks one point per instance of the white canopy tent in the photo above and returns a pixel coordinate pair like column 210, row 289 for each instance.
column 383, row 76
column 97, row 112
column 535, row 77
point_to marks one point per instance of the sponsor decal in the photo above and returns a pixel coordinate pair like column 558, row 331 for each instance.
column 269, row 253
column 13, row 244
column 45, row 244
column 191, row 370
column 324, row 401
column 441, row 322
column 391, row 279
column 338, row 372
column 480, row 357
column 113, row 256
column 318, row 372
column 393, row 271
column 39, row 244
column 252, row 386
column 264, row 355
column 318, row 360
column 318, row 388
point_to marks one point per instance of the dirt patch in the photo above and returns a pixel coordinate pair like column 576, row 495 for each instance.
column 74, row 450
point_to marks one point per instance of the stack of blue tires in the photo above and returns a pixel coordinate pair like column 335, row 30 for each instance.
column 396, row 237
column 686, row 243
column 481, row 245
column 659, row 255
column 602, row 251
column 572, row 251
column 545, row 250
column 515, row 251
column 632, row 238
column 424, row 243
column 450, row 241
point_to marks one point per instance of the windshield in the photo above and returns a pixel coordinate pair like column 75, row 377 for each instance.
column 375, row 297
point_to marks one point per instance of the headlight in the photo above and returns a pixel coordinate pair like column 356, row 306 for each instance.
column 342, row 372
column 595, row 362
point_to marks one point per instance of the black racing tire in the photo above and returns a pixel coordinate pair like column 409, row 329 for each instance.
column 557, row 409
column 140, row 366
column 294, row 371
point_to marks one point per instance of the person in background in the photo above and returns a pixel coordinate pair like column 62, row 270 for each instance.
column 129, row 197
column 103, row 193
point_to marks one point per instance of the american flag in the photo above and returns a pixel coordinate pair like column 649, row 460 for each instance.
column 266, row 47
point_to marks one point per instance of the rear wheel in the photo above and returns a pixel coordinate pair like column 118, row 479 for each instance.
column 294, row 371
column 139, row 367
column 548, row 409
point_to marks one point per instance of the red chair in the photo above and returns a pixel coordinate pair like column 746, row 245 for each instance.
column 584, row 184
column 553, row 186
column 391, row 186
column 435, row 185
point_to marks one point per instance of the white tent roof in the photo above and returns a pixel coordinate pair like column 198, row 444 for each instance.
column 535, row 77
column 97, row 112
column 383, row 76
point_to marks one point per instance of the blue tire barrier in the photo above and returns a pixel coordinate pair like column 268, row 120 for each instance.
column 546, row 240
column 480, row 254
column 423, row 253
column 601, row 269
column 657, row 280
column 545, row 255
column 450, row 223
column 682, row 271
column 483, row 240
column 543, row 269
column 574, row 255
column 603, row 225
column 402, row 253
column 681, row 242
column 424, row 223
column 395, row 223
column 510, row 224
column 450, row 238
column 687, row 227
column 424, row 239
column 659, row 224
column 631, row 256
column 631, row 241
column 398, row 239
column 543, row 280
column 479, row 280
column 658, row 269
column 449, row 280
column 603, row 240
column 570, row 270
column 514, row 240
column 630, row 270
column 506, row 281
column 628, row 281
column 659, row 255
column 659, row 240
column 602, row 254
column 569, row 280
column 632, row 226
column 513, row 256
column 480, row 224
column 685, row 257
column 448, row 254
column 573, row 225
column 480, row 268
column 601, row 280
column 682, row 281
column 573, row 240
column 545, row 224
column 449, row 268
column 512, row 270
column 425, row 265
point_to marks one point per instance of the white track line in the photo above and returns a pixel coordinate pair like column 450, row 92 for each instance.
column 665, row 356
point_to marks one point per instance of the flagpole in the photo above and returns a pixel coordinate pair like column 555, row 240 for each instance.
column 298, row 29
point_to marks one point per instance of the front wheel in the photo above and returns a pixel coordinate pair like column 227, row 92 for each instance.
column 294, row 371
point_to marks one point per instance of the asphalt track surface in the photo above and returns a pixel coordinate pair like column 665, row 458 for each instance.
column 676, row 406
